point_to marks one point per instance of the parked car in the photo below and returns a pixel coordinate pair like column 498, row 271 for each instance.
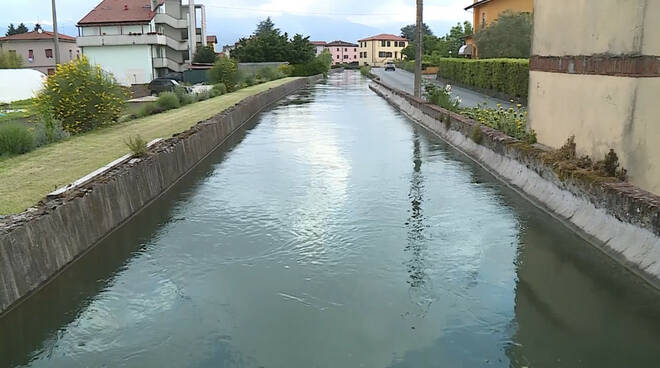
column 159, row 85
column 390, row 66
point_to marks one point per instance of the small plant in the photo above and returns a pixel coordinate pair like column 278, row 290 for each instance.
column 286, row 69
column 447, row 120
column 441, row 96
column 137, row 145
column 168, row 101
column 203, row 96
column 15, row 138
column 48, row 131
column 610, row 164
column 225, row 71
column 477, row 135
column 250, row 81
column 219, row 89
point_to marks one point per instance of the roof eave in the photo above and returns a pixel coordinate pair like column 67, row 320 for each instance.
column 480, row 2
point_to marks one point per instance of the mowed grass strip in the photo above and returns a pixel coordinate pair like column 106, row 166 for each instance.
column 28, row 178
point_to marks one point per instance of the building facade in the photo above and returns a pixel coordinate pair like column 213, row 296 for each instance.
column 599, row 80
column 141, row 40
column 319, row 46
column 379, row 49
column 343, row 52
column 37, row 49
column 485, row 12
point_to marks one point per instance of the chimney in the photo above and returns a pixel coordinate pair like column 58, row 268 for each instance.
column 125, row 6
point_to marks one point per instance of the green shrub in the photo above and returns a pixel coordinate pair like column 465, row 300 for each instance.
column 137, row 145
column 269, row 73
column 203, row 96
column 82, row 96
column 441, row 96
column 408, row 65
column 286, row 69
column 146, row 110
column 250, row 80
column 365, row 70
column 48, row 131
column 15, row 138
column 168, row 101
column 219, row 89
column 225, row 71
column 320, row 65
column 510, row 76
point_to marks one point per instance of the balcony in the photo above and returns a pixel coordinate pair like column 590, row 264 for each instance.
column 171, row 21
column 121, row 40
column 168, row 63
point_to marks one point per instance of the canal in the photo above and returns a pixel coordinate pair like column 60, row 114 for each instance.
column 334, row 232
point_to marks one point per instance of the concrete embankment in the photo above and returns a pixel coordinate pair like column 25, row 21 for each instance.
column 38, row 243
column 618, row 218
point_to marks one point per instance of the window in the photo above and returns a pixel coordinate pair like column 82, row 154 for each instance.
column 345, row 49
column 402, row 43
column 388, row 44
column 483, row 20
column 49, row 53
column 396, row 54
column 345, row 56
column 30, row 55
column 365, row 54
column 70, row 54
column 337, row 56
column 384, row 54
column 354, row 56
column 382, row 43
column 337, row 47
column 354, row 50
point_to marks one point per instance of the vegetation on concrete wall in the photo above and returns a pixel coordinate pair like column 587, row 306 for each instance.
column 9, row 60
column 509, row 76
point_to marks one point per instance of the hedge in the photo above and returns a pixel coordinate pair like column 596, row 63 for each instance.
column 510, row 76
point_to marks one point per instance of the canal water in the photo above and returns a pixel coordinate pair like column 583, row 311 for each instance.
column 334, row 232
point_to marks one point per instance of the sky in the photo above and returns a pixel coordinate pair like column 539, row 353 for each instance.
column 229, row 20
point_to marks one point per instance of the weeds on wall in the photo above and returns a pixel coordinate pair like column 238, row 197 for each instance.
column 511, row 121
column 441, row 96
column 477, row 134
column 137, row 145
column 567, row 164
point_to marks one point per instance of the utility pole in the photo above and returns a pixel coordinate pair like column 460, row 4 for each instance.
column 57, row 37
column 419, row 38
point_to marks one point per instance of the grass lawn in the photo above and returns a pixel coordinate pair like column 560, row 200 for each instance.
column 28, row 178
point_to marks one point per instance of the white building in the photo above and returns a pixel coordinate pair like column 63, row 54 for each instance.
column 140, row 40
column 319, row 46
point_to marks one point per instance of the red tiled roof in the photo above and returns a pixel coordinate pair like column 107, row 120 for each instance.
column 212, row 39
column 120, row 11
column 342, row 44
column 384, row 37
column 477, row 3
column 318, row 43
column 34, row 35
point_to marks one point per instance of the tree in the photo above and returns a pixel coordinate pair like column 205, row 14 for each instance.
column 301, row 50
column 11, row 30
column 22, row 28
column 205, row 55
column 266, row 44
column 510, row 36
column 37, row 27
column 224, row 71
column 408, row 32
column 9, row 60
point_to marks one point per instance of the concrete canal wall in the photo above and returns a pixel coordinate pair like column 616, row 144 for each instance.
column 618, row 218
column 37, row 244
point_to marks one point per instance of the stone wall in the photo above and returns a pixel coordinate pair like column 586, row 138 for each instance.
column 618, row 218
column 38, row 243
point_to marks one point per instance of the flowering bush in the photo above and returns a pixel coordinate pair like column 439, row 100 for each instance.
column 441, row 96
column 81, row 96
column 511, row 121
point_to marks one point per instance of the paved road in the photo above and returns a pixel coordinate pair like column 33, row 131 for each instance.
column 403, row 80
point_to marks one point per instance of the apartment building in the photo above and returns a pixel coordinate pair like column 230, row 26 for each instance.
column 379, row 49
column 37, row 49
column 343, row 52
column 140, row 40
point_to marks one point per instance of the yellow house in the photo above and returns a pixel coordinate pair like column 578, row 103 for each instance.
column 487, row 11
column 379, row 49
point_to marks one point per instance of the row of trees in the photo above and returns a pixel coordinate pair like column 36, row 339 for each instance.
column 268, row 44
column 510, row 36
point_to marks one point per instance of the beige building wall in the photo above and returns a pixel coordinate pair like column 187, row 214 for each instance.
column 68, row 51
column 373, row 48
column 603, row 110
